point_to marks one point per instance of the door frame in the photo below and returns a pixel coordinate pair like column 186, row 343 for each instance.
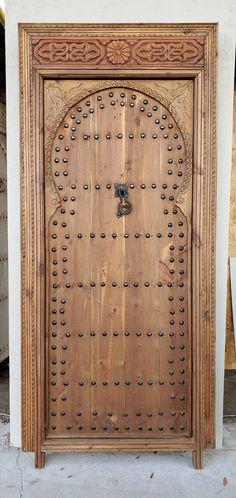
column 145, row 51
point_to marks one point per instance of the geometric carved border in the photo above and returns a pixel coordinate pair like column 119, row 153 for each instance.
column 116, row 52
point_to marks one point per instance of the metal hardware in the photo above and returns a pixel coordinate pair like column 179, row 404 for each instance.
column 124, row 206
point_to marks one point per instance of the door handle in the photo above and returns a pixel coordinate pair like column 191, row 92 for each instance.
column 124, row 207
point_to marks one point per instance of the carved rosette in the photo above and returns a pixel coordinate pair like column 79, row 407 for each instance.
column 148, row 52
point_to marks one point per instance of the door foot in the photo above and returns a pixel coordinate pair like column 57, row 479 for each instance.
column 39, row 459
column 197, row 459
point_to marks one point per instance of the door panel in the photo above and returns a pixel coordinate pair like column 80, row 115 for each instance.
column 119, row 289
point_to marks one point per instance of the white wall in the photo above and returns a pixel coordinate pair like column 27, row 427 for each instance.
column 57, row 11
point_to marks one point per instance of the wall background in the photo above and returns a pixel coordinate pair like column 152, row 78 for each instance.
column 98, row 11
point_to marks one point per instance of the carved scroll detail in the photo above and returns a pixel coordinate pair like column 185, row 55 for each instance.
column 90, row 52
column 144, row 52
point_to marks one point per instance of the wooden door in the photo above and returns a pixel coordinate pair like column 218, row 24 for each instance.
column 118, row 175
column 119, row 286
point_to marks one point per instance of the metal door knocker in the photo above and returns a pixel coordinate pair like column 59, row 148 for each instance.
column 124, row 206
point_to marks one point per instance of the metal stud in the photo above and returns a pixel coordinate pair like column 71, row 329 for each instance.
column 142, row 135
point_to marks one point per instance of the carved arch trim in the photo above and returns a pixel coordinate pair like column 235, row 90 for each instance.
column 77, row 97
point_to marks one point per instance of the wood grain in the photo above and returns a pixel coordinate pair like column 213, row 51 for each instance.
column 195, row 208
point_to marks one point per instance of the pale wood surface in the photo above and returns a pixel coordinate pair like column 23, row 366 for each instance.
column 230, row 353
column 177, row 60
column 4, row 338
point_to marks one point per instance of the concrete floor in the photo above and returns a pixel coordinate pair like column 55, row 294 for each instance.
column 116, row 475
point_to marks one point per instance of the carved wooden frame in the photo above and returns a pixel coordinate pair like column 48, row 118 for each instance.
column 118, row 51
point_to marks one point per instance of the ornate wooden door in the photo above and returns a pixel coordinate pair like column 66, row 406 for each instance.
column 119, row 282
column 120, row 347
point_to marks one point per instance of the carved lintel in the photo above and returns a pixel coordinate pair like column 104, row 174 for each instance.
column 136, row 51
